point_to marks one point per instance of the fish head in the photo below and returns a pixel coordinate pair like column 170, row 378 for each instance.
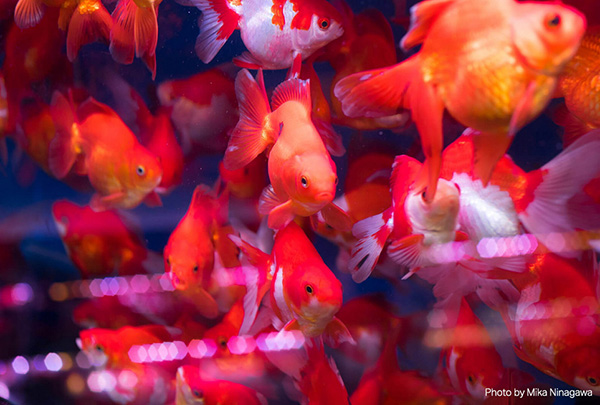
column 580, row 365
column 188, row 263
column 312, row 180
column 145, row 171
column 546, row 35
column 65, row 215
column 188, row 385
column 98, row 344
column 436, row 219
column 317, row 24
column 481, row 368
column 315, row 296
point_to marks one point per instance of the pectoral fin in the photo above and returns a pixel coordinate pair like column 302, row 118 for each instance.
column 336, row 217
column 337, row 333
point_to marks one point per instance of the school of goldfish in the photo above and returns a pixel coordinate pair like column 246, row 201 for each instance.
column 236, row 235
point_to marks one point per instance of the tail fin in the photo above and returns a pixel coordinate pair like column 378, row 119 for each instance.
column 372, row 234
column 28, row 13
column 145, row 33
column 218, row 22
column 383, row 92
column 563, row 195
column 88, row 27
column 63, row 150
column 249, row 138
column 122, row 43
column 574, row 128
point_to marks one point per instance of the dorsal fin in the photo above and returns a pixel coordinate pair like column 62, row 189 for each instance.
column 422, row 17
column 92, row 106
column 292, row 90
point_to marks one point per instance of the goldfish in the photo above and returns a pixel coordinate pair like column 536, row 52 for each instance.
column 470, row 358
column 277, row 34
column 192, row 389
column 189, row 255
column 195, row 100
column 247, row 182
column 554, row 325
column 99, row 144
column 302, row 174
column 101, row 243
column 303, row 292
column 494, row 77
column 135, row 32
column 578, row 84
column 411, row 223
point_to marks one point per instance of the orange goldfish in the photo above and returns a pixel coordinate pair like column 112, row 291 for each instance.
column 190, row 252
column 278, row 34
column 411, row 223
column 196, row 100
column 578, row 84
column 99, row 144
column 471, row 360
column 100, row 243
column 135, row 31
column 303, row 175
column 555, row 326
column 494, row 77
column 192, row 389
column 304, row 293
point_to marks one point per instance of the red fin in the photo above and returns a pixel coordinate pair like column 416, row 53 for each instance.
column 103, row 203
column 205, row 303
column 337, row 333
column 422, row 16
column 86, row 28
column 407, row 251
column 336, row 217
column 150, row 61
column 249, row 138
column 296, row 67
column 217, row 24
column 247, row 61
column 122, row 45
column 488, row 150
column 256, row 256
column 92, row 106
column 331, row 139
column 372, row 234
column 574, row 127
column 153, row 200
column 63, row 150
column 281, row 215
column 28, row 13
column 292, row 90
column 145, row 31
column 292, row 325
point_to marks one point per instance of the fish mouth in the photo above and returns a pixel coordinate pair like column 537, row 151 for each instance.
column 325, row 196
column 176, row 281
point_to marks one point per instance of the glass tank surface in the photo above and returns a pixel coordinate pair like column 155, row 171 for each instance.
column 303, row 201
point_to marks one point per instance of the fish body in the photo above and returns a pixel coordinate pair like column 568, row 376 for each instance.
column 277, row 33
column 494, row 76
column 99, row 243
column 122, row 171
column 302, row 174
column 304, row 294
column 555, row 325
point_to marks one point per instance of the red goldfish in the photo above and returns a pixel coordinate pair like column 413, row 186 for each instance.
column 304, row 293
column 521, row 45
column 99, row 144
column 191, row 249
column 578, row 84
column 192, row 389
column 277, row 33
column 412, row 223
column 303, row 175
column 100, row 243
column 471, row 360
column 556, row 323
column 135, row 31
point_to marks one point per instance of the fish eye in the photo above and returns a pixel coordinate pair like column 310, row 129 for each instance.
column 323, row 23
column 423, row 196
column 309, row 289
column 304, row 181
column 552, row 20
column 64, row 220
column 222, row 342
column 196, row 269
column 471, row 378
column 140, row 170
column 592, row 381
column 197, row 393
column 99, row 348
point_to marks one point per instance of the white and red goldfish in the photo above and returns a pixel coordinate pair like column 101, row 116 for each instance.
column 303, row 175
column 94, row 140
column 555, row 325
column 278, row 33
column 304, row 294
column 494, row 77
column 192, row 389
